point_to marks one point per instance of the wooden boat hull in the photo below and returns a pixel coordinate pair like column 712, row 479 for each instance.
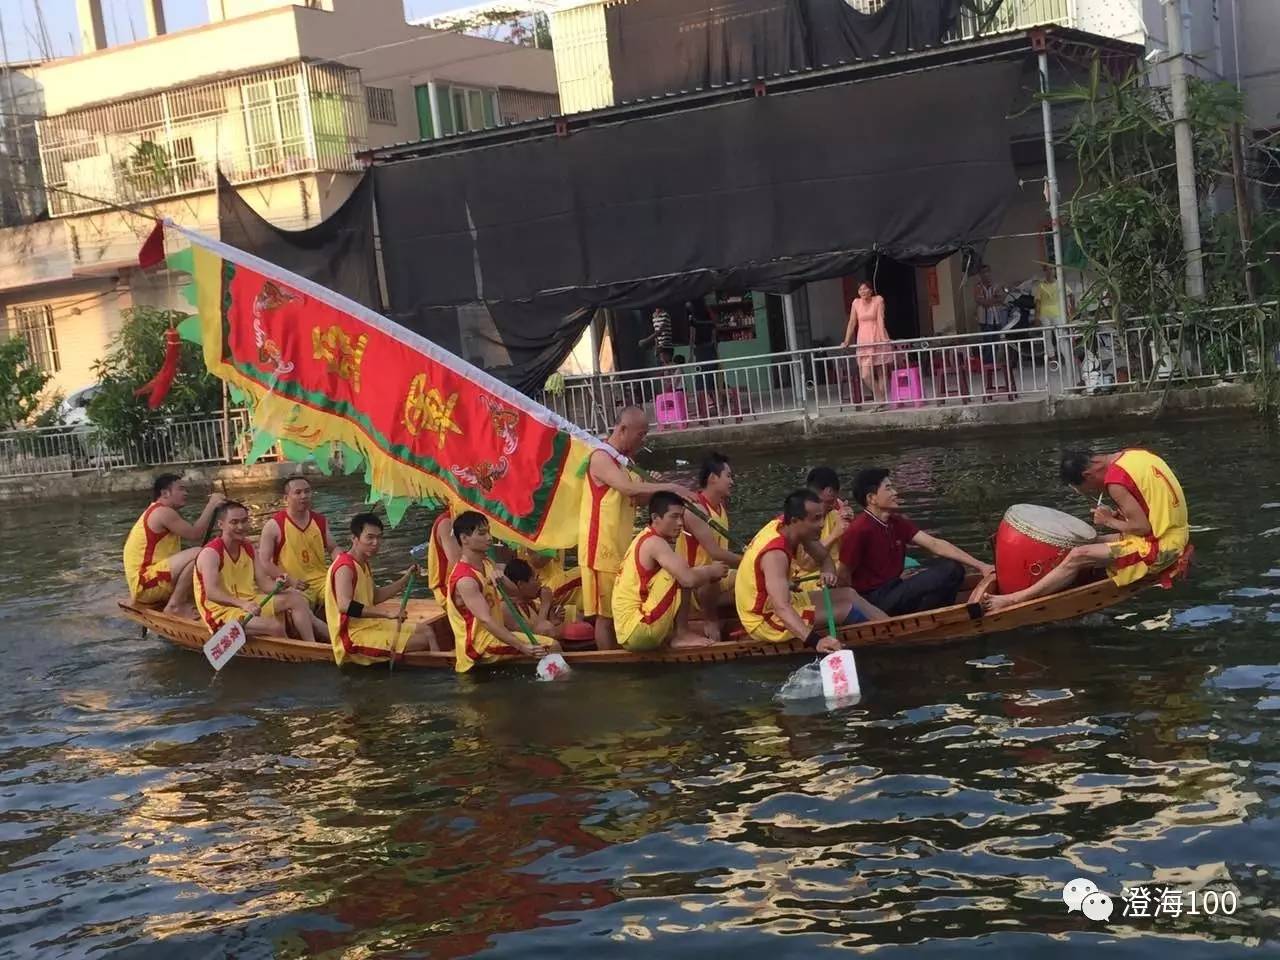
column 945, row 625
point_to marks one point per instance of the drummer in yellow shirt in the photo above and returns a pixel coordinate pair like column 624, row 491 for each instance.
column 651, row 599
column 1152, row 530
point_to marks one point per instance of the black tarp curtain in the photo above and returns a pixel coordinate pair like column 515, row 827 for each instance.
column 502, row 254
column 337, row 253
column 761, row 194
column 665, row 46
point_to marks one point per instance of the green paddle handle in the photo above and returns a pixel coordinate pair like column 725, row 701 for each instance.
column 404, row 605
column 831, row 614
column 520, row 621
column 265, row 600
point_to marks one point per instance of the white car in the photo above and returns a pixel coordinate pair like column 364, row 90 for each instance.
column 75, row 408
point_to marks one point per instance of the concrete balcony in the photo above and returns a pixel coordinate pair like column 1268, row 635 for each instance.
column 295, row 119
column 35, row 254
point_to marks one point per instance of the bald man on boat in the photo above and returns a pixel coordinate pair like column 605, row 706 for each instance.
column 607, row 517
column 156, row 568
column 1149, row 524
column 652, row 600
column 769, row 609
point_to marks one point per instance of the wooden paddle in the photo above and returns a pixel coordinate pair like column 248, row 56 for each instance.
column 226, row 643
column 404, row 605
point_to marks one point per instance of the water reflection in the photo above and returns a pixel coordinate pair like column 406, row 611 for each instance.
column 150, row 810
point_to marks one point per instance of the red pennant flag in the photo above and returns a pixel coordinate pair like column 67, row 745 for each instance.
column 152, row 251
column 157, row 388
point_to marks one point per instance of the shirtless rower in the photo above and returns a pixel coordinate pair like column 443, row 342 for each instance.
column 1150, row 522
column 229, row 584
column 606, row 519
column 768, row 608
column 475, row 607
column 296, row 544
column 652, row 599
column 360, row 633
column 156, row 567
column 703, row 543
column 836, row 515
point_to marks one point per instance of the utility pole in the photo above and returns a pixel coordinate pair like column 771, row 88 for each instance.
column 1051, row 187
column 1188, row 202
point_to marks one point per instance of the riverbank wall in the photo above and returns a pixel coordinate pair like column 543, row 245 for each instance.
column 240, row 480
column 1007, row 415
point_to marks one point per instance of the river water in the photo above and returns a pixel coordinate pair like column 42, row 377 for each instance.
column 148, row 810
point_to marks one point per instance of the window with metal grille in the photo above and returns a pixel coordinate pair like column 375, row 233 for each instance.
column 35, row 324
column 381, row 103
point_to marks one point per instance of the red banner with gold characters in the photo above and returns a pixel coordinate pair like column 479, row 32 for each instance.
column 320, row 372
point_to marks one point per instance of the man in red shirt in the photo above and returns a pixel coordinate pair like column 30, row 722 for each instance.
column 874, row 550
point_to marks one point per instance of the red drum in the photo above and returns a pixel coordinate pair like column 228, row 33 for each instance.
column 1032, row 541
column 577, row 632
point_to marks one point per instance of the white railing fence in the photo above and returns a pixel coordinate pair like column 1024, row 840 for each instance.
column 204, row 438
column 1028, row 364
column 688, row 394
column 1223, row 344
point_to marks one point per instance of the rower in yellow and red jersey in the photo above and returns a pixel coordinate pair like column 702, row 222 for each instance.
column 474, row 606
column 651, row 601
column 295, row 542
column 156, row 568
column 825, row 482
column 442, row 553
column 607, row 518
column 361, row 634
column 229, row 585
column 768, row 608
column 564, row 585
column 704, row 543
column 1152, row 531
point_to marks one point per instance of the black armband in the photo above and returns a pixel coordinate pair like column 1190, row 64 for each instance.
column 355, row 609
column 811, row 641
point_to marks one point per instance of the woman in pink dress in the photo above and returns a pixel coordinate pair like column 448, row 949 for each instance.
column 867, row 329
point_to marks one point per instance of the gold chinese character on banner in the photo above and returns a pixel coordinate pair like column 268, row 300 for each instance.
column 428, row 411
column 340, row 355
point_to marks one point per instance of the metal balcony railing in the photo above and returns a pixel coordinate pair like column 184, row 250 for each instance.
column 298, row 118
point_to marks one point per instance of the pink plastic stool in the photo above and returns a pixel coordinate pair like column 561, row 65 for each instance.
column 906, row 387
column 670, row 409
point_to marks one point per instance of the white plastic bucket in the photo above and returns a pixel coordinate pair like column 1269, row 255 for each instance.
column 840, row 676
column 552, row 667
